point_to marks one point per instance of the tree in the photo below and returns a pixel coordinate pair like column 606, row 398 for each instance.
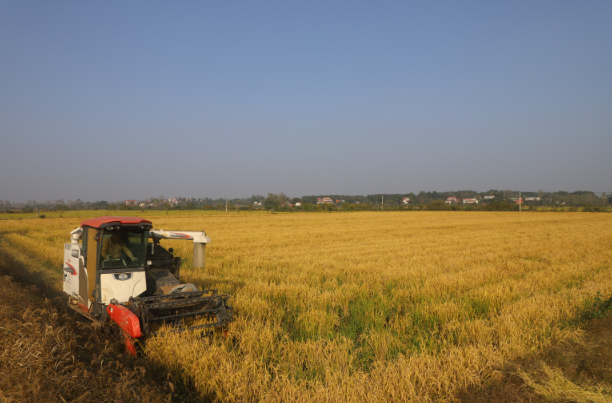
column 159, row 202
column 78, row 204
column 257, row 198
column 60, row 205
column 272, row 201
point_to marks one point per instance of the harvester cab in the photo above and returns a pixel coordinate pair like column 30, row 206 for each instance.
column 116, row 273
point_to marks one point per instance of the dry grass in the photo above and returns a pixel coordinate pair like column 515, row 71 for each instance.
column 370, row 306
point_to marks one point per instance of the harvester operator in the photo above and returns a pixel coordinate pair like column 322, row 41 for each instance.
column 114, row 246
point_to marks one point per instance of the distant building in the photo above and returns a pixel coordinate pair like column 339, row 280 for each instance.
column 131, row 203
column 517, row 201
column 298, row 204
column 406, row 200
column 489, row 197
column 472, row 200
column 451, row 200
column 324, row 200
column 532, row 199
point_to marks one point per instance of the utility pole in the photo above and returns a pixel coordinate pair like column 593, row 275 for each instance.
column 382, row 207
column 226, row 204
column 520, row 203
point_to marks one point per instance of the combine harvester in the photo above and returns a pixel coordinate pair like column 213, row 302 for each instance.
column 129, row 286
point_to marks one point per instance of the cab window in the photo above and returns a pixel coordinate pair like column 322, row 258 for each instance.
column 123, row 249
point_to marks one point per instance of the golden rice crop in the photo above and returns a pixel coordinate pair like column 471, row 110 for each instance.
column 369, row 306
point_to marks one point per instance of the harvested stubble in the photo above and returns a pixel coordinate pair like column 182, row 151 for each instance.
column 40, row 359
column 371, row 306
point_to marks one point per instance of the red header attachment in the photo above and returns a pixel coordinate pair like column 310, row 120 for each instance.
column 125, row 319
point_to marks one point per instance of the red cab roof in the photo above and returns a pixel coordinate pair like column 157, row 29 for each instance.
column 99, row 221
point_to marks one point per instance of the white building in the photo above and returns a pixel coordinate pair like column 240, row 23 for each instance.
column 451, row 200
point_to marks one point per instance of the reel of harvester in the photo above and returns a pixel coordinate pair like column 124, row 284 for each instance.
column 182, row 310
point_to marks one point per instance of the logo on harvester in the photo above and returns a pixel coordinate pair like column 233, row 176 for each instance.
column 75, row 253
column 69, row 269
column 178, row 235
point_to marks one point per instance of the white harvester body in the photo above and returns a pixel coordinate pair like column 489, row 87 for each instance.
column 74, row 272
column 113, row 273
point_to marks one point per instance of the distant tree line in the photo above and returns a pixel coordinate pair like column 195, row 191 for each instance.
column 500, row 200
column 560, row 198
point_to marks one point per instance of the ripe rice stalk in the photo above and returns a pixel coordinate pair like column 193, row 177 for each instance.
column 367, row 306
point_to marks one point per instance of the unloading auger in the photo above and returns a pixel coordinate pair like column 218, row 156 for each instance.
column 114, row 276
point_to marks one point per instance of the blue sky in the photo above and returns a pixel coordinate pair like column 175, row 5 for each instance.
column 117, row 100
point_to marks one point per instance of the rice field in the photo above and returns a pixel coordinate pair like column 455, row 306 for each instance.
column 367, row 306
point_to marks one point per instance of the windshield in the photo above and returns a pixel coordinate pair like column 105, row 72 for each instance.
column 121, row 248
